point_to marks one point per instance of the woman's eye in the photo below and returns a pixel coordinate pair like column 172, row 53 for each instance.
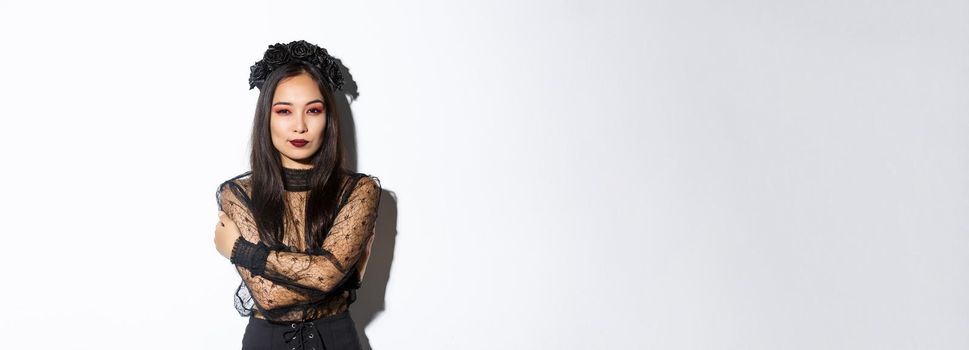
column 282, row 111
column 315, row 110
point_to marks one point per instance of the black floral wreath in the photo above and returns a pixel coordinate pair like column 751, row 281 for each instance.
column 279, row 54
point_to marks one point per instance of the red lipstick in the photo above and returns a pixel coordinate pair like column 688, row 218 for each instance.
column 299, row 142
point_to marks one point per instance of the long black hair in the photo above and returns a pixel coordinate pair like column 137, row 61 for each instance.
column 328, row 174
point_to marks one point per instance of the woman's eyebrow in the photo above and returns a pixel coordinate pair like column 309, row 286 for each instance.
column 290, row 104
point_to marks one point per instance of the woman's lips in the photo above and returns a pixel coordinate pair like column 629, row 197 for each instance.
column 299, row 143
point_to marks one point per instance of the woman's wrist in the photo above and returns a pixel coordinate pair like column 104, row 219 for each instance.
column 250, row 255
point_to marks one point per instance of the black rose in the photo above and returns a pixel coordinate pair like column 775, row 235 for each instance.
column 312, row 59
column 257, row 74
column 319, row 61
column 336, row 77
column 258, row 70
column 276, row 54
column 324, row 61
column 301, row 49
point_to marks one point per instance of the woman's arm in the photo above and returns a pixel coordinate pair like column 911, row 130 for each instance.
column 345, row 243
column 265, row 293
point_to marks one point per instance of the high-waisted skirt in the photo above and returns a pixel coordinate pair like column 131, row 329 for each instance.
column 335, row 332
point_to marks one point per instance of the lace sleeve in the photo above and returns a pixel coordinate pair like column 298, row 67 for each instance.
column 342, row 247
column 266, row 294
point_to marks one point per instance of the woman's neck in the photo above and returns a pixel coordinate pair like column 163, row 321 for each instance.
column 295, row 180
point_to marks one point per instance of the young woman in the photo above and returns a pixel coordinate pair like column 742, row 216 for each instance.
column 298, row 225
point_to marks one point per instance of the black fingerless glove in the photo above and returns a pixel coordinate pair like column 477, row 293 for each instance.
column 250, row 255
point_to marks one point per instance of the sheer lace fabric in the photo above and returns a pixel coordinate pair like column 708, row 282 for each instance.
column 297, row 284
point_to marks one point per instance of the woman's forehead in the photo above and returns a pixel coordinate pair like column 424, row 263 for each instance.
column 297, row 90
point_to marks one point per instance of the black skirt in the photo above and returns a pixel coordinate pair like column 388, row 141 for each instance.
column 336, row 332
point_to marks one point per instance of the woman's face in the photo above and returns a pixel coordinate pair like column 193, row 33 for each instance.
column 297, row 114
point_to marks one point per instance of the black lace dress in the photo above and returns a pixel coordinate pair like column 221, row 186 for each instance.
column 290, row 283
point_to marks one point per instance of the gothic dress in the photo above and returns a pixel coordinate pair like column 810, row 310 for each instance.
column 297, row 296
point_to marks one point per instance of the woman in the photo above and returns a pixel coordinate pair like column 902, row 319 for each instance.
column 298, row 225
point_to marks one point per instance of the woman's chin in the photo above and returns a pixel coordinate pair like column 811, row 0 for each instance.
column 300, row 156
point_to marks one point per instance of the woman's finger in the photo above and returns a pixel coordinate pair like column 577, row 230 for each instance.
column 222, row 218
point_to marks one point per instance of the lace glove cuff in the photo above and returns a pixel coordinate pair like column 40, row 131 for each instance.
column 250, row 255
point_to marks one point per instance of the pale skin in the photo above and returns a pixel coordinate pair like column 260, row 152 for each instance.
column 297, row 113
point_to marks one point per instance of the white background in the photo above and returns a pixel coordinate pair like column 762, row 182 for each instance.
column 557, row 175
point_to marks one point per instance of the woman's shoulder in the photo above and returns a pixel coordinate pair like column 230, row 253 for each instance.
column 358, row 184
column 243, row 179
column 364, row 179
column 239, row 185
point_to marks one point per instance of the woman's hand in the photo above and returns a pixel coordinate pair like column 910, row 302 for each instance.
column 226, row 233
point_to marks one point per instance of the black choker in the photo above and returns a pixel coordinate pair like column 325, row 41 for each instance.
column 295, row 180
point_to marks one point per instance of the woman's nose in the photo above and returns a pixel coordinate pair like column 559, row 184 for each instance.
column 301, row 123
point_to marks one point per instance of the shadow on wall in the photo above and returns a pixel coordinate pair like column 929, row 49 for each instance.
column 373, row 289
